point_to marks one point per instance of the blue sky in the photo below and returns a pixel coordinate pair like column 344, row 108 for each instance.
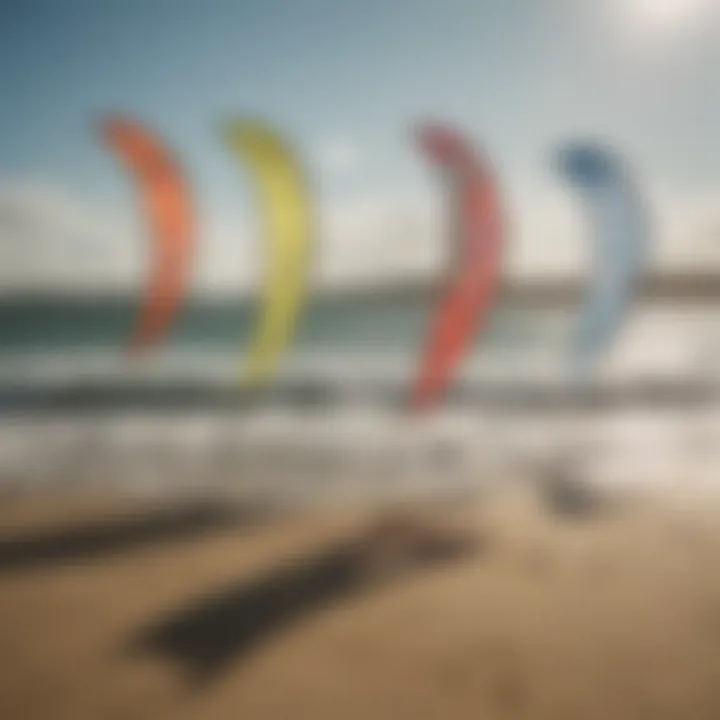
column 345, row 80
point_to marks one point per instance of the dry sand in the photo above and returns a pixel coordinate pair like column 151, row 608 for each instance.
column 613, row 617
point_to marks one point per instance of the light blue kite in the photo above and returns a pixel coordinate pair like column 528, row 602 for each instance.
column 621, row 239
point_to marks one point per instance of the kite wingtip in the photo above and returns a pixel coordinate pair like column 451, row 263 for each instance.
column 110, row 124
column 586, row 161
column 421, row 402
column 245, row 129
column 437, row 139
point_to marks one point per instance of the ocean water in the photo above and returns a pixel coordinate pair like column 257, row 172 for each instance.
column 369, row 323
column 110, row 421
column 71, row 340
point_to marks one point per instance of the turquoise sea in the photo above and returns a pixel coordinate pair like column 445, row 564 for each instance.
column 75, row 344
column 365, row 324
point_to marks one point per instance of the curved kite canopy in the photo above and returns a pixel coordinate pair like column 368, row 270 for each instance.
column 284, row 198
column 465, row 305
column 171, row 222
column 620, row 229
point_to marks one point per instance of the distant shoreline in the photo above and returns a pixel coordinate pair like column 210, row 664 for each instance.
column 691, row 287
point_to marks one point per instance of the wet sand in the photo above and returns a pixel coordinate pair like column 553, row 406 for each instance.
column 616, row 616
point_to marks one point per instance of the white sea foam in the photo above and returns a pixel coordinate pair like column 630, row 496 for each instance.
column 359, row 452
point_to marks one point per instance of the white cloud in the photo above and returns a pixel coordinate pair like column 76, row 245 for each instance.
column 52, row 240
column 551, row 234
column 371, row 237
column 546, row 234
column 688, row 226
column 339, row 156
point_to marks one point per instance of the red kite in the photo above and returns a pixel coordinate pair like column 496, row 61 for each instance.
column 465, row 306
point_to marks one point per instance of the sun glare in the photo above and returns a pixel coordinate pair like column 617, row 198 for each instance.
column 667, row 15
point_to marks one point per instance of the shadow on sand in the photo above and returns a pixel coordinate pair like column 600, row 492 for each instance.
column 217, row 630
column 114, row 535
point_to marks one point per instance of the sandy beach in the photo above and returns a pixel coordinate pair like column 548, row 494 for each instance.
column 119, row 608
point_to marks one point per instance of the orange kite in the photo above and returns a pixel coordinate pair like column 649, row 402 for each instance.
column 168, row 207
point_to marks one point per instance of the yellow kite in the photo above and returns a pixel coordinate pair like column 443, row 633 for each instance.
column 284, row 199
